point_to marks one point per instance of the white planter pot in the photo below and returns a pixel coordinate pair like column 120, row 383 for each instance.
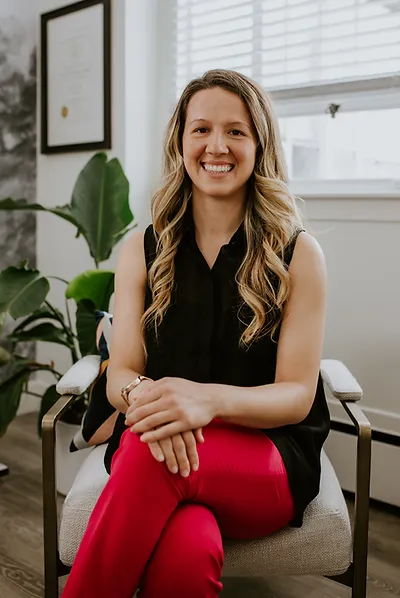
column 67, row 464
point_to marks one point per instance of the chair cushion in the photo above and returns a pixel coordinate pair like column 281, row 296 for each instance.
column 322, row 546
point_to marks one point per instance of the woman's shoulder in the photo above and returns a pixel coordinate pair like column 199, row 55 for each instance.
column 306, row 246
column 139, row 243
column 134, row 243
column 308, row 259
column 131, row 258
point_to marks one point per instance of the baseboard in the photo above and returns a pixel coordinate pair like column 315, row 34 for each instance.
column 377, row 435
column 380, row 505
column 341, row 448
column 387, row 422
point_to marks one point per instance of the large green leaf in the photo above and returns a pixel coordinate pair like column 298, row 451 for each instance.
column 100, row 204
column 3, row 316
column 96, row 285
column 4, row 356
column 49, row 398
column 22, row 291
column 41, row 332
column 43, row 313
column 22, row 204
column 86, row 327
column 16, row 375
column 10, row 397
column 124, row 232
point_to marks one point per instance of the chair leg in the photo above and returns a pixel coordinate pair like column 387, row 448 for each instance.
column 361, row 510
column 53, row 567
column 50, row 583
column 359, row 589
column 50, row 533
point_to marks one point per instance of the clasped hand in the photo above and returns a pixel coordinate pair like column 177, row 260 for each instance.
column 169, row 414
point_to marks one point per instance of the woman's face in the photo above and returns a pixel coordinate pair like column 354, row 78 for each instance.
column 219, row 143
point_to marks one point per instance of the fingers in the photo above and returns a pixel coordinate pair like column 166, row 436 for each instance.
column 198, row 434
column 191, row 449
column 181, row 455
column 169, row 455
column 156, row 451
column 141, row 422
column 135, row 414
column 162, row 432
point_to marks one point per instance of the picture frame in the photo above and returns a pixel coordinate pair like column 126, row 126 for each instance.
column 76, row 77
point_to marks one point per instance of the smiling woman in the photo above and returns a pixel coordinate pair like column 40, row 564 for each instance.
column 214, row 359
column 219, row 157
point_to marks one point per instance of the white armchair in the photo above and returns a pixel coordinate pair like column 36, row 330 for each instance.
column 324, row 545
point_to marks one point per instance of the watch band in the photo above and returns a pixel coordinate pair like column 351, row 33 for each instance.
column 125, row 390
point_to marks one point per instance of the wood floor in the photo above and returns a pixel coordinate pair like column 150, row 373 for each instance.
column 21, row 549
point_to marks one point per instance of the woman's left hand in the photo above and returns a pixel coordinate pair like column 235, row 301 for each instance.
column 172, row 405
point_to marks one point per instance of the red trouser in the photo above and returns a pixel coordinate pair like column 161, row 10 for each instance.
column 161, row 532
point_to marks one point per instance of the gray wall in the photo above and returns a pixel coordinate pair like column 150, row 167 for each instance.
column 18, row 32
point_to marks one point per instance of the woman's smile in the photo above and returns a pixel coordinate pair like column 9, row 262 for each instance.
column 217, row 169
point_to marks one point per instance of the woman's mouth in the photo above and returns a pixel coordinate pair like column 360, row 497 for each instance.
column 217, row 170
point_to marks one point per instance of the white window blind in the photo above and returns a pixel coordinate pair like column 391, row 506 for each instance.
column 288, row 43
column 311, row 55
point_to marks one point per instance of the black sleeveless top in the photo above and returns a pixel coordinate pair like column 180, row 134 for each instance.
column 199, row 340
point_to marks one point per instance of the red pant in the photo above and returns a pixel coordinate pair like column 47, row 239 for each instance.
column 161, row 532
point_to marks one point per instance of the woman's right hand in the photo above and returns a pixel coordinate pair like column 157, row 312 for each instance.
column 179, row 451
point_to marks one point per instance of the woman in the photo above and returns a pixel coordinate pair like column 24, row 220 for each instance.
column 221, row 304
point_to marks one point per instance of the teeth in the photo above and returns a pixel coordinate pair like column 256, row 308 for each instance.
column 214, row 168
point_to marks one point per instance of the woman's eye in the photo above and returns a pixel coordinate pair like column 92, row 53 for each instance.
column 236, row 132
column 200, row 130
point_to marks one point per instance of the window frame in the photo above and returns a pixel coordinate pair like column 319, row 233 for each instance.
column 363, row 94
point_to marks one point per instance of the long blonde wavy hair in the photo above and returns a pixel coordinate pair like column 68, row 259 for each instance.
column 271, row 215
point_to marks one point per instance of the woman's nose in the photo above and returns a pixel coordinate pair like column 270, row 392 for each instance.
column 216, row 144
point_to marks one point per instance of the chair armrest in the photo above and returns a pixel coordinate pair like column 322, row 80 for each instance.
column 79, row 376
column 340, row 381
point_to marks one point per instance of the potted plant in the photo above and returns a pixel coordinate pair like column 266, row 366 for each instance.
column 99, row 209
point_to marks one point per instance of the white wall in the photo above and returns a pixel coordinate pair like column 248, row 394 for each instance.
column 143, row 147
column 361, row 242
column 133, row 74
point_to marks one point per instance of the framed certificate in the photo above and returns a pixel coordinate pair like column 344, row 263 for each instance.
column 76, row 77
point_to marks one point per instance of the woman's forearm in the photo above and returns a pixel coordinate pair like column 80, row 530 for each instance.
column 116, row 379
column 269, row 406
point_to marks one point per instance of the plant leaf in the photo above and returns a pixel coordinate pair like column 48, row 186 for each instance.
column 22, row 204
column 17, row 373
column 96, row 285
column 49, row 399
column 3, row 316
column 41, row 332
column 86, row 327
column 100, row 204
column 39, row 314
column 124, row 232
column 10, row 398
column 4, row 356
column 22, row 291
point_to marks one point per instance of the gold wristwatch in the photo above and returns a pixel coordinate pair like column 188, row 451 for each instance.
column 125, row 390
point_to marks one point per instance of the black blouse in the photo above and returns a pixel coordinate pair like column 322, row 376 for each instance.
column 199, row 340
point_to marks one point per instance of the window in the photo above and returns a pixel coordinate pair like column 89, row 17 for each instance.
column 332, row 68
